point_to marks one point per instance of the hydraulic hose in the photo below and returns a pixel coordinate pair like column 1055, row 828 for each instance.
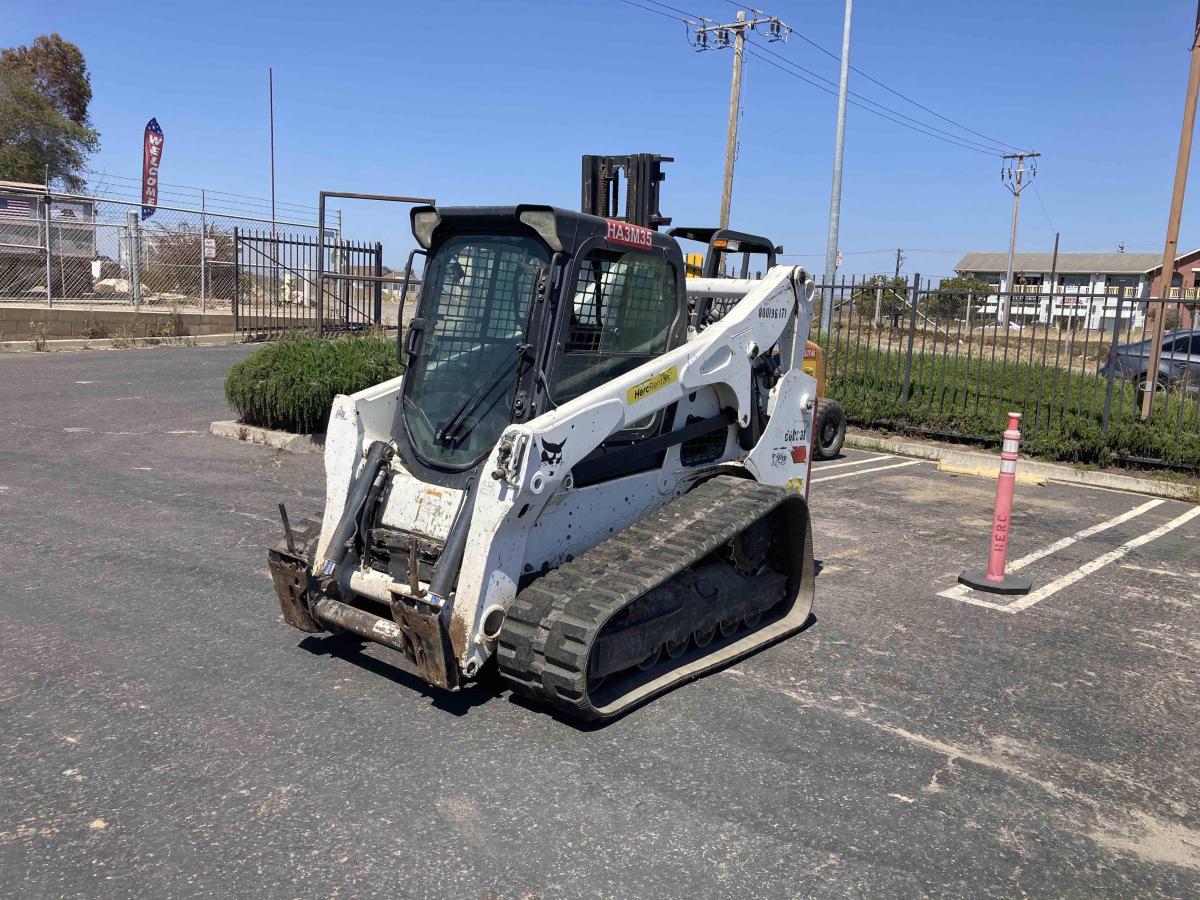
column 347, row 525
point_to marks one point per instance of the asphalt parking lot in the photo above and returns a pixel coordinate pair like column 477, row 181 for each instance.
column 164, row 734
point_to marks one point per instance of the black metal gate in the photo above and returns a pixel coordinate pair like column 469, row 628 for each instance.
column 278, row 287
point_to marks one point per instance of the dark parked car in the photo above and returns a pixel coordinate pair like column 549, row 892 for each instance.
column 1178, row 369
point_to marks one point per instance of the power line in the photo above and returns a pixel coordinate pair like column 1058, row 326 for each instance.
column 657, row 12
column 995, row 151
column 892, row 90
column 680, row 11
column 882, row 115
column 862, row 102
column 1042, row 204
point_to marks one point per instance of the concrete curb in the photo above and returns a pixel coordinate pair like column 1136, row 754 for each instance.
column 200, row 340
column 988, row 464
column 279, row 440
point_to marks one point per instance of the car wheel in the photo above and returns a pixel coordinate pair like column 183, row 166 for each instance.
column 829, row 429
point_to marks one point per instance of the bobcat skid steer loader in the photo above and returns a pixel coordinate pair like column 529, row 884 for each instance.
column 568, row 479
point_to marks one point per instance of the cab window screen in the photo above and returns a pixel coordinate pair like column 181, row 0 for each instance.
column 622, row 313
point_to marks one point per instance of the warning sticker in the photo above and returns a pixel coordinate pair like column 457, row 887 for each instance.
column 650, row 385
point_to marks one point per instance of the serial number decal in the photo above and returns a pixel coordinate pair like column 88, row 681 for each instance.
column 652, row 384
column 773, row 312
column 628, row 235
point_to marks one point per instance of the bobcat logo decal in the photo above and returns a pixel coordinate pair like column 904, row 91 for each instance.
column 552, row 453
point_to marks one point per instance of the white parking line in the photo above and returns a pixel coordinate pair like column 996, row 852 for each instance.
column 1084, row 570
column 855, row 462
column 911, row 462
column 1085, row 533
column 965, row 594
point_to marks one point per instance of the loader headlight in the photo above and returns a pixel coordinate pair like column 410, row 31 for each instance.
column 424, row 223
column 542, row 221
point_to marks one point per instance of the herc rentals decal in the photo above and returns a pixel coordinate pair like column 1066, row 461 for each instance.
column 654, row 383
column 152, row 147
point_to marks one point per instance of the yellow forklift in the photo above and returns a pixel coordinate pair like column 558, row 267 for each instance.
column 723, row 245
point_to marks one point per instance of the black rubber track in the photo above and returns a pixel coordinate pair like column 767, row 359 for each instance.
column 546, row 639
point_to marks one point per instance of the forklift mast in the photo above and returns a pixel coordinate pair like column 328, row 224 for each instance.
column 601, row 195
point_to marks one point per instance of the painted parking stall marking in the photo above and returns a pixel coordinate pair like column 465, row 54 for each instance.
column 901, row 465
column 855, row 462
column 966, row 595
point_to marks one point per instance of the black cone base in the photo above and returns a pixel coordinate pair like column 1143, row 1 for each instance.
column 1012, row 584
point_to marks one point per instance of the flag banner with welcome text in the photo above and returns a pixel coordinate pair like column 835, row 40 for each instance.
column 151, row 159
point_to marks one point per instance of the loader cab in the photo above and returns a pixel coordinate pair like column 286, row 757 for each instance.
column 523, row 309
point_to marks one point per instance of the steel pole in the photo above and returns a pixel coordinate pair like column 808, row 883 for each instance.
column 1170, row 249
column 49, row 268
column 271, row 117
column 835, row 198
column 203, row 252
column 735, row 99
column 135, row 258
column 320, row 279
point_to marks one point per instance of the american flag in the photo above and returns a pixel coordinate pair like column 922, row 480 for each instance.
column 14, row 208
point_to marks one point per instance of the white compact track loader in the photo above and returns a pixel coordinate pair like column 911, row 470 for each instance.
column 574, row 480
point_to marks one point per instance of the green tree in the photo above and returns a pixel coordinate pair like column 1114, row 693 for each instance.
column 45, row 91
column 949, row 301
column 891, row 294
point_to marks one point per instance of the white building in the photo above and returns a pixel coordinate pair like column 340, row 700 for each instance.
column 1086, row 286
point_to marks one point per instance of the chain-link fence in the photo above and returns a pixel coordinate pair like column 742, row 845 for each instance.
column 61, row 250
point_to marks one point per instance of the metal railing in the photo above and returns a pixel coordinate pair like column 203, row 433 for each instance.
column 285, row 282
column 916, row 357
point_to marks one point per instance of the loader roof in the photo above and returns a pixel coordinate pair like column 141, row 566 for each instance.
column 561, row 229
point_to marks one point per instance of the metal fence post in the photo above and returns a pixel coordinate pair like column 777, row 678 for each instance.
column 379, row 284
column 49, row 266
column 320, row 273
column 135, row 258
column 1112, row 358
column 203, row 253
column 912, row 332
column 236, row 320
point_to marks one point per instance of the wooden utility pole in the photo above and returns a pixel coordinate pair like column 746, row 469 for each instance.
column 735, row 102
column 1013, row 177
column 713, row 35
column 1156, row 314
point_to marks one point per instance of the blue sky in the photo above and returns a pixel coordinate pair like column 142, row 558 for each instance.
column 481, row 102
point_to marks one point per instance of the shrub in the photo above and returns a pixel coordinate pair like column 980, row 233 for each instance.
column 291, row 384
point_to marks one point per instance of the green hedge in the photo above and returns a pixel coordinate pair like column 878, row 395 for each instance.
column 291, row 384
column 1062, row 410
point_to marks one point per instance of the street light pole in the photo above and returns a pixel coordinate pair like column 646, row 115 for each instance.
column 835, row 197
